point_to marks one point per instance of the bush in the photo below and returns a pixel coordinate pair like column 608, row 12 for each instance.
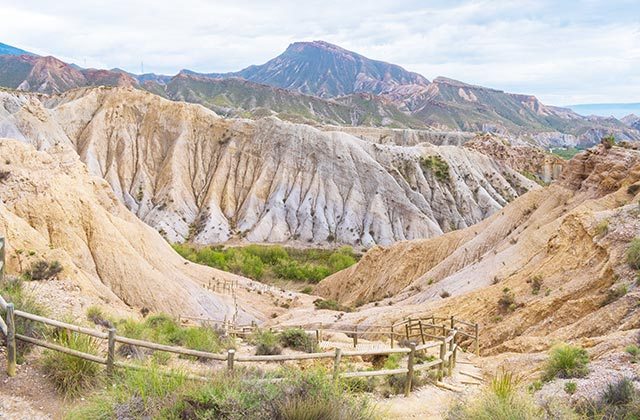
column 266, row 342
column 507, row 302
column 437, row 165
column 619, row 393
column 566, row 361
column 536, row 284
column 633, row 254
column 70, row 374
column 298, row 339
column 608, row 141
column 570, row 387
column 501, row 400
column 43, row 270
column 95, row 315
column 614, row 294
column 634, row 351
column 307, row 290
column 300, row 395
column 11, row 288
column 330, row 304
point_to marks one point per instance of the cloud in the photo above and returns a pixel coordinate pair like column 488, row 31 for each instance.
column 563, row 52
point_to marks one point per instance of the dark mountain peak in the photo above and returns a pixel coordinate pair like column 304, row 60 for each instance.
column 322, row 69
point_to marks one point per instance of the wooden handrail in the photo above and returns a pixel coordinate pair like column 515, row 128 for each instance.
column 62, row 349
column 171, row 349
column 89, row 331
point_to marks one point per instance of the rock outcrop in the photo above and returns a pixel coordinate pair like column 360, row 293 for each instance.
column 52, row 209
column 550, row 266
column 193, row 175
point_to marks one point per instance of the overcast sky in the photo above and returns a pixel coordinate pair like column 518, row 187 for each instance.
column 564, row 52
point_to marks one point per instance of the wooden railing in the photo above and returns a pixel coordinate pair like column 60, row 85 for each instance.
column 448, row 347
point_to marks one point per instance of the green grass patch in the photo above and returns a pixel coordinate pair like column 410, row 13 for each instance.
column 270, row 263
column 72, row 375
column 331, row 305
column 298, row 339
column 301, row 395
column 633, row 254
column 437, row 165
column 566, row 361
column 566, row 153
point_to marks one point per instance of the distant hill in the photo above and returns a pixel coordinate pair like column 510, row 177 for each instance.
column 9, row 50
column 607, row 110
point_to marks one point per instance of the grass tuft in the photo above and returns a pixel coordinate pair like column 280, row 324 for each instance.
column 566, row 361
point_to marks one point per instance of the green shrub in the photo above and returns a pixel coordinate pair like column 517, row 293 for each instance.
column 608, row 141
column 307, row 290
column 437, row 165
column 614, row 294
column 536, row 284
column 619, row 392
column 298, row 339
column 72, row 375
column 392, row 361
column 634, row 351
column 43, row 270
column 300, row 395
column 12, row 291
column 266, row 342
column 331, row 305
column 570, row 387
column 507, row 302
column 602, row 228
column 633, row 254
column 501, row 400
column 566, row 361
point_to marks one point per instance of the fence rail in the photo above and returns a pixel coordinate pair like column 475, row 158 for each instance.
column 413, row 328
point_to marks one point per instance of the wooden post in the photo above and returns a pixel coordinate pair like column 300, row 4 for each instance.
column 408, row 382
column 111, row 350
column 406, row 330
column 443, row 351
column 230, row 355
column 11, row 340
column 2, row 258
column 421, row 331
column 391, row 335
column 453, row 322
column 318, row 337
column 336, row 363
column 450, row 360
column 355, row 337
column 455, row 355
column 444, row 330
column 477, row 345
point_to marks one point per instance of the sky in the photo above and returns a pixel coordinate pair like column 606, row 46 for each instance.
column 564, row 52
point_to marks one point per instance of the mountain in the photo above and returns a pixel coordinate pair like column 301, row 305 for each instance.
column 326, row 70
column 9, row 50
column 320, row 83
column 50, row 75
column 632, row 120
column 617, row 110
column 195, row 176
column 235, row 97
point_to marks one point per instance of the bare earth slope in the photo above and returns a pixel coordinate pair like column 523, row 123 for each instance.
column 570, row 237
column 193, row 175
column 54, row 209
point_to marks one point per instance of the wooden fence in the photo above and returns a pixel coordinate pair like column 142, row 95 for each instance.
column 444, row 363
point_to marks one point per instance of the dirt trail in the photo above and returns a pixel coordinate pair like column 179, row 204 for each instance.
column 28, row 395
column 433, row 402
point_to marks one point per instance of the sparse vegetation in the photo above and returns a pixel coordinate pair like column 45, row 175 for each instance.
column 301, row 395
column 570, row 387
column 633, row 254
column 619, row 392
column 608, row 141
column 634, row 351
column 298, row 339
column 437, row 165
column 11, row 288
column 602, row 228
column 331, row 305
column 266, row 342
column 507, row 302
column 444, row 294
column 536, row 284
column 566, row 361
column 43, row 270
column 501, row 400
column 273, row 262
column 69, row 374
column 614, row 294
column 4, row 175
column 565, row 153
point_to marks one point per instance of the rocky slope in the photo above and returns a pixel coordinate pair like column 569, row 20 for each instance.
column 234, row 97
column 193, row 175
column 52, row 209
column 556, row 256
